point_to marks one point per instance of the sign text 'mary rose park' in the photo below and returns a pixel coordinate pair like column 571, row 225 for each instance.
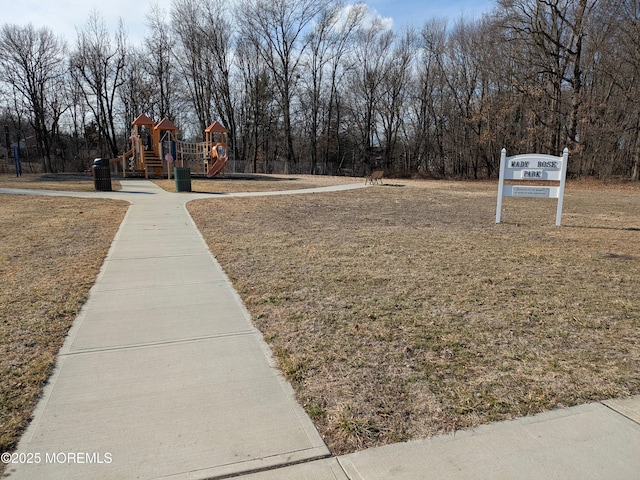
column 545, row 170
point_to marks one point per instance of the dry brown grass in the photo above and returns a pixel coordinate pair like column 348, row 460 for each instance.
column 51, row 250
column 257, row 183
column 62, row 181
column 403, row 312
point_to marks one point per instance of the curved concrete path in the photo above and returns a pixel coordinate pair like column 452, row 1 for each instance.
column 164, row 376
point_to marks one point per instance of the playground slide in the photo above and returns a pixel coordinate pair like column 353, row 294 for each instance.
column 219, row 157
column 216, row 167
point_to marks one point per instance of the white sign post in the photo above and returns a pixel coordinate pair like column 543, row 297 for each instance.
column 529, row 167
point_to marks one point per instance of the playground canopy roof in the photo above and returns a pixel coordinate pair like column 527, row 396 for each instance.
column 166, row 124
column 142, row 119
column 216, row 127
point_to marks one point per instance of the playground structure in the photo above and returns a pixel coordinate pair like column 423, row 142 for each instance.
column 155, row 150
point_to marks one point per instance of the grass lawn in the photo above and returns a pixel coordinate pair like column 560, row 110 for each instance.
column 400, row 312
column 51, row 250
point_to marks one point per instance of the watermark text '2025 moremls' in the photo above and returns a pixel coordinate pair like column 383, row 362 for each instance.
column 63, row 458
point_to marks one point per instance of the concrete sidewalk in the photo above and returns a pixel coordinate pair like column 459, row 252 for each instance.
column 164, row 376
column 593, row 441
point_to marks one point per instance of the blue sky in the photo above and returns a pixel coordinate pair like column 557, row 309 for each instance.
column 63, row 16
column 416, row 12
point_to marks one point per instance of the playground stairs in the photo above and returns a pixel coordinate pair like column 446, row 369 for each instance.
column 153, row 166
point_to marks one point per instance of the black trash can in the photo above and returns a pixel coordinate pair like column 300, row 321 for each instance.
column 183, row 179
column 101, row 162
column 101, row 175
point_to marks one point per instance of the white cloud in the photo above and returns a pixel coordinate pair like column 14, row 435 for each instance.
column 371, row 16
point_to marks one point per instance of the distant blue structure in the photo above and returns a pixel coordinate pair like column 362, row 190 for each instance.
column 16, row 160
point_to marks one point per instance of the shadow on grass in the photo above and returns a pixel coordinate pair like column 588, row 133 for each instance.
column 64, row 177
column 599, row 227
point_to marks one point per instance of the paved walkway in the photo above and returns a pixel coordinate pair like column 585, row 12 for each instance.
column 163, row 375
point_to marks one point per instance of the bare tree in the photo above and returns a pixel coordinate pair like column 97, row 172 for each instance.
column 204, row 53
column 319, row 41
column 194, row 60
column 394, row 95
column 32, row 63
column 158, row 62
column 370, row 57
column 78, row 115
column 98, row 67
column 328, row 42
column 277, row 27
column 467, row 81
column 139, row 92
column 429, row 90
column 258, row 123
column 628, row 53
column 219, row 37
column 551, row 34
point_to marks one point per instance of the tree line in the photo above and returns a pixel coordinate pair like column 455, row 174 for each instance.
column 310, row 86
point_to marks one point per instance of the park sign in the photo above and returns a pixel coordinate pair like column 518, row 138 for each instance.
column 543, row 170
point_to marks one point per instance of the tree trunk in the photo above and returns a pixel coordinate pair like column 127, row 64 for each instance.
column 635, row 172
